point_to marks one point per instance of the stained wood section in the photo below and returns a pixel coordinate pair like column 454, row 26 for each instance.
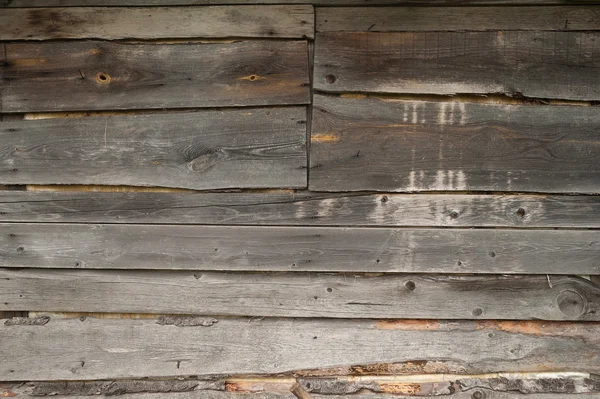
column 299, row 249
column 374, row 144
column 61, row 349
column 560, row 65
column 303, row 209
column 398, row 19
column 301, row 295
column 200, row 150
column 157, row 22
column 61, row 76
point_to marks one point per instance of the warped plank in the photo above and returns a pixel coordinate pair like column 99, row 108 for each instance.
column 300, row 295
column 62, row 349
column 201, row 150
column 97, row 75
column 498, row 251
column 293, row 21
column 561, row 65
column 303, row 209
column 376, row 144
column 397, row 19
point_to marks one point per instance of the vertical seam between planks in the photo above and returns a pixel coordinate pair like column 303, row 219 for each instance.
column 3, row 61
column 309, row 108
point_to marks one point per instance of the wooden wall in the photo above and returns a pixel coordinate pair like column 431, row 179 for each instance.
column 340, row 199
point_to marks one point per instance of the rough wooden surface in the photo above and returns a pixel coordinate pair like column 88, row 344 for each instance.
column 201, row 150
column 62, row 3
column 398, row 19
column 560, row 65
column 301, row 295
column 277, row 21
column 377, row 144
column 299, row 249
column 95, row 75
column 62, row 349
column 303, row 208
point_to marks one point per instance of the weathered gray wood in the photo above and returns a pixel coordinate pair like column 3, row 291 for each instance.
column 86, row 348
column 299, row 249
column 303, row 209
column 398, row 19
column 374, row 144
column 291, row 21
column 561, row 65
column 300, row 295
column 201, row 150
column 95, row 75
column 63, row 3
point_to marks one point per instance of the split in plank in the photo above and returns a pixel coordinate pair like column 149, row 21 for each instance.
column 272, row 21
column 183, row 346
column 417, row 250
column 100, row 75
column 416, row 19
column 377, row 144
column 303, row 209
column 563, row 65
column 231, row 148
column 300, row 294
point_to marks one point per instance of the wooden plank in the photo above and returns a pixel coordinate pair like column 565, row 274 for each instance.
column 201, row 150
column 303, row 209
column 89, row 75
column 399, row 19
column 301, row 295
column 63, row 3
column 560, row 65
column 498, row 251
column 61, row 349
column 208, row 394
column 375, row 144
column 291, row 21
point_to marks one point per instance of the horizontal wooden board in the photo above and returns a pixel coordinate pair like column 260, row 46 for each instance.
column 375, row 144
column 564, row 386
column 303, row 209
column 100, row 75
column 291, row 21
column 299, row 249
column 403, row 19
column 562, row 65
column 87, row 348
column 200, row 150
column 300, row 295
column 63, row 3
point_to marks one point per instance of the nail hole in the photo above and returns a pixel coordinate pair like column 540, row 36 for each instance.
column 329, row 289
column 20, row 249
column 492, row 254
column 410, row 285
column 197, row 275
column 82, row 318
column 102, row 77
column 330, row 79
column 477, row 312
column 384, row 199
column 477, row 395
column 520, row 212
column 459, row 263
column 453, row 214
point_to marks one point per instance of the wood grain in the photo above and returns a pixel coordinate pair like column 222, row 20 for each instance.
column 399, row 19
column 561, row 65
column 99, row 75
column 498, row 251
column 201, row 150
column 303, row 209
column 374, row 144
column 120, row 3
column 272, row 21
column 86, row 348
column 300, row 295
